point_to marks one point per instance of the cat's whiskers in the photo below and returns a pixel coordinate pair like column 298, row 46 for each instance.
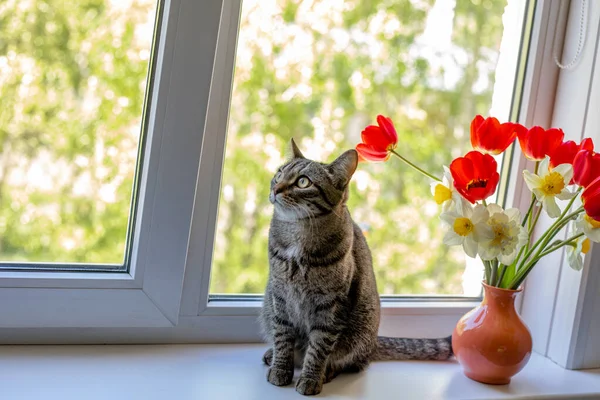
column 310, row 215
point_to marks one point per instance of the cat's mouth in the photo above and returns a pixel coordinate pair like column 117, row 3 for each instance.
column 273, row 198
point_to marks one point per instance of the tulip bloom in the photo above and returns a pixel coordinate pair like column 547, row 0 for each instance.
column 537, row 142
column 490, row 136
column 378, row 140
column 591, row 199
column 475, row 175
column 586, row 167
column 566, row 152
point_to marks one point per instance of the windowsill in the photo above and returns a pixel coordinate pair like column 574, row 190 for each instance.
column 235, row 372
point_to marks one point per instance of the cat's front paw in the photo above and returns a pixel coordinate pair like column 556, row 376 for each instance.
column 280, row 377
column 309, row 387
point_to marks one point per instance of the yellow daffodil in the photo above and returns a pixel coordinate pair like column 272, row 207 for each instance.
column 446, row 195
column 509, row 236
column 468, row 227
column 550, row 185
column 589, row 226
column 576, row 251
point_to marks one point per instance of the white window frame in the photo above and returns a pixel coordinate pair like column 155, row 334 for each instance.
column 560, row 305
column 149, row 295
column 164, row 296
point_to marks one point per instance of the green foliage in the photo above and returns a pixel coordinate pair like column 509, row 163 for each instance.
column 361, row 59
column 72, row 81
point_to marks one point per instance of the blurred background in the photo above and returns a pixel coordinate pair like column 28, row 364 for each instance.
column 73, row 77
column 320, row 71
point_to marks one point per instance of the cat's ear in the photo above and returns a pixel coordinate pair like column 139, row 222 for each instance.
column 344, row 166
column 296, row 153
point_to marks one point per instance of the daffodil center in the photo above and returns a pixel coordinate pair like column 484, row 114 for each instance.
column 477, row 183
column 585, row 246
column 441, row 194
column 553, row 184
column 595, row 224
column 463, row 226
column 500, row 235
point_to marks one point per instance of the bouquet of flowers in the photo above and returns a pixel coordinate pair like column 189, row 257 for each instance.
column 502, row 238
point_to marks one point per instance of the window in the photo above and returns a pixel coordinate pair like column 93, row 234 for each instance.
column 200, row 139
column 73, row 82
column 320, row 71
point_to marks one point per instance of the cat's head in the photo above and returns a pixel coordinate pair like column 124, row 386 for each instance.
column 302, row 188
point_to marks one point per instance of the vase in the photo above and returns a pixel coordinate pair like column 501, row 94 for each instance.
column 491, row 342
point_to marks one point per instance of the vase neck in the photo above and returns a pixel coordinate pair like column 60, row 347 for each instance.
column 499, row 298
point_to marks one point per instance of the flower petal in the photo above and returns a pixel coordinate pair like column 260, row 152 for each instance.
column 514, row 214
column 470, row 246
column 494, row 208
column 507, row 259
column 480, row 214
column 565, row 194
column 368, row 153
column 549, row 204
column 449, row 217
column 452, row 239
column 531, row 180
column 374, row 137
column 566, row 171
column 387, row 126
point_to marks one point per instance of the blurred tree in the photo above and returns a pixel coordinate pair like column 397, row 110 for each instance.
column 319, row 71
column 72, row 83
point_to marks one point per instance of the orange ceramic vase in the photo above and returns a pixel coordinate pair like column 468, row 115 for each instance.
column 491, row 342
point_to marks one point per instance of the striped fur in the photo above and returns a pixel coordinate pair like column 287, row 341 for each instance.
column 321, row 309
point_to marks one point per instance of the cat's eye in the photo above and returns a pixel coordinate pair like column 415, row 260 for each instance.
column 303, row 182
column 278, row 176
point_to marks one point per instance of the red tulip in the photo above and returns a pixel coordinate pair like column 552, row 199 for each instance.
column 378, row 141
column 586, row 167
column 565, row 153
column 490, row 136
column 537, row 142
column 475, row 175
column 591, row 199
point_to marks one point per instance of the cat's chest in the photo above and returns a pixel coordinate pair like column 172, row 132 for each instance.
column 300, row 303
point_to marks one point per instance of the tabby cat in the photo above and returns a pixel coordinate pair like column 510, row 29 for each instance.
column 321, row 306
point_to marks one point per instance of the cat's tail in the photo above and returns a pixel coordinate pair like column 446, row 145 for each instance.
column 389, row 349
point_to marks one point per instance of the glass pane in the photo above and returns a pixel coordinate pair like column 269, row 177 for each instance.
column 320, row 71
column 72, row 84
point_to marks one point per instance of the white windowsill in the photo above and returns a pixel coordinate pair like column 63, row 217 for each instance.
column 235, row 372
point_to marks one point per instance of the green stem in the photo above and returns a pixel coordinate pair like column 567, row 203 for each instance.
column 528, row 213
column 487, row 271
column 502, row 268
column 557, row 225
column 520, row 254
column 535, row 171
column 415, row 167
column 493, row 276
column 529, row 262
column 560, row 244
column 535, row 220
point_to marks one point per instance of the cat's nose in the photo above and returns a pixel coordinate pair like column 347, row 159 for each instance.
column 278, row 188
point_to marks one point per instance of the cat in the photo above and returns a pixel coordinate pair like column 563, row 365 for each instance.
column 321, row 306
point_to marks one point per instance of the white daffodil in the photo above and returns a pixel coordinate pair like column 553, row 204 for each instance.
column 589, row 226
column 445, row 194
column 468, row 227
column 550, row 185
column 576, row 251
column 508, row 235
